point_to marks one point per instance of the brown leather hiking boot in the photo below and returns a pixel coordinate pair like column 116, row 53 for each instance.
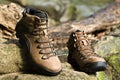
column 32, row 32
column 81, row 55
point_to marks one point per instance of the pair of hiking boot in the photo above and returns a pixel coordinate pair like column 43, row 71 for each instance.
column 32, row 33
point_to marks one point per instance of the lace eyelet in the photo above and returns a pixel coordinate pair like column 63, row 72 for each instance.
column 73, row 35
column 37, row 20
column 37, row 40
column 38, row 46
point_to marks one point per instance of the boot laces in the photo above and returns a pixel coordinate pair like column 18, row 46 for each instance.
column 42, row 33
column 82, row 45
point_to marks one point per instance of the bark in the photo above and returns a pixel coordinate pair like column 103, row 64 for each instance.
column 100, row 23
column 103, row 19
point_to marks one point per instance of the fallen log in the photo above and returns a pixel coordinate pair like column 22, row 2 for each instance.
column 103, row 19
column 100, row 22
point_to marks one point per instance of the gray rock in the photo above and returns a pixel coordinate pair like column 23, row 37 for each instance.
column 10, row 56
column 109, row 48
column 66, row 74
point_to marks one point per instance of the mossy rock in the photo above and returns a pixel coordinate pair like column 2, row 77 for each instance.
column 104, row 75
column 109, row 48
column 115, row 62
column 10, row 56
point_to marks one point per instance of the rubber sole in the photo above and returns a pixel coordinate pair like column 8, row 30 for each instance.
column 89, row 67
column 98, row 66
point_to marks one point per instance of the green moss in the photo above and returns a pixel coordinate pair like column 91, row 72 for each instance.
column 114, row 61
column 92, row 2
column 71, row 10
column 103, row 76
column 69, row 13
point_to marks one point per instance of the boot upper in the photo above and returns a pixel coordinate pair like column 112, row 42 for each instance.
column 33, row 30
column 80, row 49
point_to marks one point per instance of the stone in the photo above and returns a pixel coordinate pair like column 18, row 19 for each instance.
column 10, row 56
column 66, row 74
column 109, row 48
column 10, row 14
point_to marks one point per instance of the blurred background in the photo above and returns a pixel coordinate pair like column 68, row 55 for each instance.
column 64, row 10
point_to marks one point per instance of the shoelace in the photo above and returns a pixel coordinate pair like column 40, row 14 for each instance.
column 82, row 45
column 39, row 31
